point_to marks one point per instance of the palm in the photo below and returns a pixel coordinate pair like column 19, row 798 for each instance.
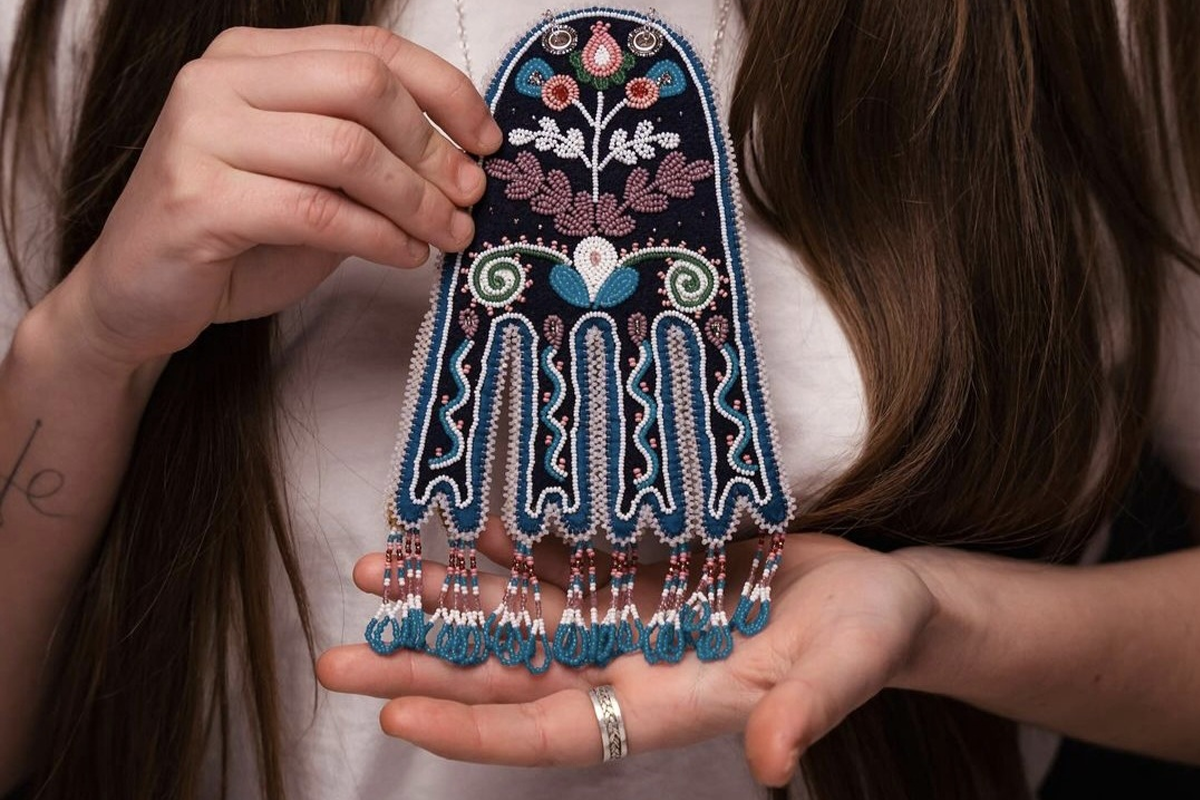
column 843, row 621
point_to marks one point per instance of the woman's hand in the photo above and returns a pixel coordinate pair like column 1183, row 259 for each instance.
column 845, row 621
column 276, row 154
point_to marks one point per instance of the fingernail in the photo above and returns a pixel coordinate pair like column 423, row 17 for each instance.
column 470, row 178
column 792, row 762
column 490, row 136
column 462, row 227
column 418, row 251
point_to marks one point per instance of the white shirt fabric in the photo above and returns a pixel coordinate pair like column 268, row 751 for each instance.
column 345, row 365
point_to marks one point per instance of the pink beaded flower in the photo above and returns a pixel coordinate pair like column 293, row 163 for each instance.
column 559, row 92
column 641, row 93
column 602, row 55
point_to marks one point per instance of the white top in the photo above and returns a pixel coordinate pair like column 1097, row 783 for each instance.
column 345, row 362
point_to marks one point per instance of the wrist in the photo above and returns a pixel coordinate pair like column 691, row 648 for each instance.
column 957, row 632
column 58, row 332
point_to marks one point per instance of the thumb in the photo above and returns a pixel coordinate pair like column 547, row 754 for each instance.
column 820, row 691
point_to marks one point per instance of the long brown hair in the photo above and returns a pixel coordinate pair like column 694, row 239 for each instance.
column 977, row 188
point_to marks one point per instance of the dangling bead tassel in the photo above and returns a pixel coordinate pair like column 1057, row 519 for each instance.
column 462, row 639
column 664, row 638
column 604, row 632
column 573, row 641
column 705, row 620
column 384, row 632
column 514, row 633
column 604, row 636
column 754, row 606
column 416, row 625
column 621, row 630
column 630, row 629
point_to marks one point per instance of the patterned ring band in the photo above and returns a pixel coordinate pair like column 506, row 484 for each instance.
column 612, row 725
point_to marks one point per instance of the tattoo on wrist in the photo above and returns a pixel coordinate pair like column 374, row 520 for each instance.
column 42, row 485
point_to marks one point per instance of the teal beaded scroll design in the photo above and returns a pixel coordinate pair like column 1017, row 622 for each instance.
column 603, row 302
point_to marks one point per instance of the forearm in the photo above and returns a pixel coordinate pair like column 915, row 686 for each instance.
column 1108, row 654
column 67, row 422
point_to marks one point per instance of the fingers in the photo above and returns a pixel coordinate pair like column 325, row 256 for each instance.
column 346, row 156
column 358, row 669
column 495, row 544
column 557, row 730
column 368, row 576
column 284, row 212
column 828, row 684
column 661, row 708
column 438, row 88
column 361, row 88
column 551, row 557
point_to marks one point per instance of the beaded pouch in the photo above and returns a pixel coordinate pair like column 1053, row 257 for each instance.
column 604, row 303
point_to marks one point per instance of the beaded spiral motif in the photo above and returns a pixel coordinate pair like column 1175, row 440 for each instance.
column 604, row 301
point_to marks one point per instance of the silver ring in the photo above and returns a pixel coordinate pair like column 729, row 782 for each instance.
column 612, row 724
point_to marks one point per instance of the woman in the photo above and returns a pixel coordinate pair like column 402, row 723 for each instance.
column 984, row 226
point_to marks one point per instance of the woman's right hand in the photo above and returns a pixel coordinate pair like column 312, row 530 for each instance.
column 277, row 154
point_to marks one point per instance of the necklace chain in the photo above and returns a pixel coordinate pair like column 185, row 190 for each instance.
column 462, row 38
column 713, row 60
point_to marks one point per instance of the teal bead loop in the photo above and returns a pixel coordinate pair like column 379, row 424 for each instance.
column 416, row 629
column 604, row 644
column 451, row 645
column 694, row 620
column 474, row 645
column 646, row 642
column 377, row 632
column 407, row 635
column 750, row 617
column 573, row 645
column 508, row 643
column 670, row 644
column 715, row 644
column 630, row 636
column 464, row 645
column 531, row 663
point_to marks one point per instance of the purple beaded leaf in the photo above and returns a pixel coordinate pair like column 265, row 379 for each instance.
column 638, row 327
column 717, row 330
column 553, row 329
column 468, row 320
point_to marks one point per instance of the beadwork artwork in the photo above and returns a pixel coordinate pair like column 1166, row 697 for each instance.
column 603, row 307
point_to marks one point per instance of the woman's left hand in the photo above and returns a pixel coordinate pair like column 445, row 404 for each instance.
column 845, row 622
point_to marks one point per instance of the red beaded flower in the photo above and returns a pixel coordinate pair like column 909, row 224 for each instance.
column 641, row 92
column 559, row 92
